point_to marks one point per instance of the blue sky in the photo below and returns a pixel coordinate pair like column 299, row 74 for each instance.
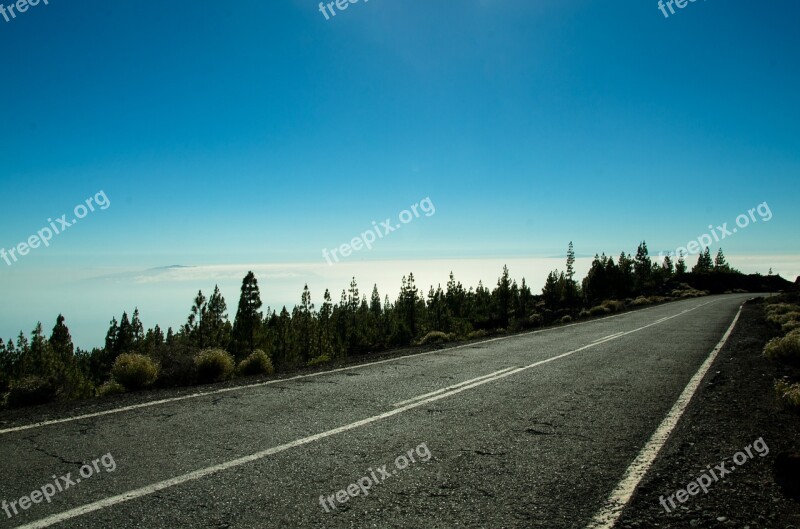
column 259, row 133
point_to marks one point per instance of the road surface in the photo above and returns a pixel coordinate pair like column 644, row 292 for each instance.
column 533, row 430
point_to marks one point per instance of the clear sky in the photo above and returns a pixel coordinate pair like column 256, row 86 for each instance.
column 257, row 133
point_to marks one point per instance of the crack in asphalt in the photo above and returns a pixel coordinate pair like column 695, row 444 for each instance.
column 484, row 452
column 303, row 381
column 84, row 428
column 286, row 388
column 534, row 431
column 54, row 456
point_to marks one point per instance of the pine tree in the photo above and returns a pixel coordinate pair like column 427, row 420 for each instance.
column 40, row 360
column 153, row 343
column 6, row 367
column 215, row 326
column 525, row 301
column 642, row 270
column 720, row 264
column 111, row 337
column 66, row 372
column 456, row 297
column 407, row 312
column 305, row 326
column 625, row 277
column 61, row 341
column 482, row 313
column 597, row 284
column 194, row 327
column 570, row 275
column 354, row 335
column 284, row 346
column 138, row 330
column 551, row 292
column 125, row 339
column 680, row 266
column 570, row 294
column 704, row 263
column 502, row 298
column 438, row 313
column 326, row 338
column 376, row 323
column 14, row 357
column 248, row 319
column 667, row 266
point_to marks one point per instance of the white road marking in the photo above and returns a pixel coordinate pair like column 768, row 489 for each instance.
column 616, row 334
column 201, row 473
column 470, row 381
column 610, row 513
column 297, row 377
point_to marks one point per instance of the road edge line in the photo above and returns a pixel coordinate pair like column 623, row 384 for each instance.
column 607, row 517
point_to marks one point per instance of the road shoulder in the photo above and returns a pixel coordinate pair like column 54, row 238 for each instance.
column 734, row 407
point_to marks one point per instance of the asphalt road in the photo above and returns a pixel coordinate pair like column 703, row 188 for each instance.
column 542, row 442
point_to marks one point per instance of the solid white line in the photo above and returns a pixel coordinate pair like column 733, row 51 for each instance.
column 610, row 513
column 297, row 377
column 201, row 473
column 470, row 381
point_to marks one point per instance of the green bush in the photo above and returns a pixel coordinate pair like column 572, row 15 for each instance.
column 134, row 371
column 461, row 328
column 536, row 320
column 790, row 326
column 779, row 308
column 112, row 387
column 688, row 292
column 177, row 367
column 566, row 319
column 214, row 365
column 30, row 391
column 257, row 363
column 435, row 337
column 480, row 333
column 786, row 349
column 788, row 393
column 320, row 360
column 613, row 305
column 599, row 311
column 782, row 318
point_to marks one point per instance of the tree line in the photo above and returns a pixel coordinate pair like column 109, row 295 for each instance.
column 43, row 368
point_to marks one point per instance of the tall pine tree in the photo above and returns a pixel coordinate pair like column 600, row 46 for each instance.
column 248, row 318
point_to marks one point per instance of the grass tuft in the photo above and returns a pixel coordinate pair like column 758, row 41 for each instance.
column 788, row 393
column 257, row 363
column 214, row 365
column 786, row 349
column 134, row 371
